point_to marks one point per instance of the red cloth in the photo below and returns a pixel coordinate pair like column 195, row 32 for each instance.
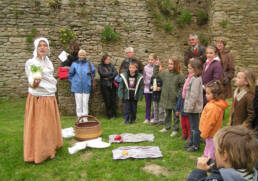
column 186, row 130
column 63, row 72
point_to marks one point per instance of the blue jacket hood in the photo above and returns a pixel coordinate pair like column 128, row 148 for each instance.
column 232, row 174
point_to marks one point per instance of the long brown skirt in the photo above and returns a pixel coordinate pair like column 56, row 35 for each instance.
column 42, row 129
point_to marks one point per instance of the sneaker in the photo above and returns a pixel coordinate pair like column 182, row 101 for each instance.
column 126, row 122
column 152, row 121
column 164, row 130
column 192, row 149
column 174, row 133
column 146, row 121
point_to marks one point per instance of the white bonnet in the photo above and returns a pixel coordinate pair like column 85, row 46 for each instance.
column 36, row 43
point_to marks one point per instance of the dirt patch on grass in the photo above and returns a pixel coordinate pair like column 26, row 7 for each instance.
column 156, row 170
column 83, row 174
column 86, row 156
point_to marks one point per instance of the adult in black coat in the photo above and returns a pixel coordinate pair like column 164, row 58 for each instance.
column 73, row 56
column 107, row 74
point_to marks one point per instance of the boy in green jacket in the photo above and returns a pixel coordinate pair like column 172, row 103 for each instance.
column 131, row 90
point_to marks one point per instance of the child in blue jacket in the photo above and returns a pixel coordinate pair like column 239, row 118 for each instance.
column 80, row 78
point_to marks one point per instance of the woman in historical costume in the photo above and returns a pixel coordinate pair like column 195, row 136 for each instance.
column 42, row 127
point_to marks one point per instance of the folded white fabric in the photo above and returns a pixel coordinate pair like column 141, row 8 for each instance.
column 132, row 138
column 97, row 143
column 94, row 143
column 136, row 152
column 68, row 132
column 77, row 147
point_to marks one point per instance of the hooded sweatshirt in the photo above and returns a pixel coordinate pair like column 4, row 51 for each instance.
column 211, row 118
column 232, row 174
column 222, row 174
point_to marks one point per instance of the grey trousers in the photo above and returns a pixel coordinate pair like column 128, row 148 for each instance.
column 159, row 112
column 169, row 118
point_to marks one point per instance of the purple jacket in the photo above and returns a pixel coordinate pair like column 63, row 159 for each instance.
column 213, row 73
column 147, row 74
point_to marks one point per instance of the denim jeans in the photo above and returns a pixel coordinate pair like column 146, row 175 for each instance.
column 195, row 132
column 130, row 109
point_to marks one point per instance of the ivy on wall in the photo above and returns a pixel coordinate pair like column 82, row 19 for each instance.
column 109, row 35
column 169, row 14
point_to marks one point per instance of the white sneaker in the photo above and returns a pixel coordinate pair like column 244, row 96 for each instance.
column 152, row 121
column 164, row 130
column 146, row 121
column 174, row 133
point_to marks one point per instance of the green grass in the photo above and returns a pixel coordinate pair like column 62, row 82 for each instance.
column 89, row 164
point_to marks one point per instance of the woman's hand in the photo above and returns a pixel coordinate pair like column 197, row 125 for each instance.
column 202, row 163
column 35, row 83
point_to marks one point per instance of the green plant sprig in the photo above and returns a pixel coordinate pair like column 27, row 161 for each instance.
column 35, row 69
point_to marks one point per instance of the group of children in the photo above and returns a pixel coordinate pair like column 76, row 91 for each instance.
column 170, row 93
column 198, row 99
column 171, row 96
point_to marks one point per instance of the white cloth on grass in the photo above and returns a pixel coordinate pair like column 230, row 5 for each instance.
column 132, row 138
column 136, row 152
column 68, row 132
column 94, row 143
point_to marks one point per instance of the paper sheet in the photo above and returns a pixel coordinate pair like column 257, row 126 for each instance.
column 63, row 56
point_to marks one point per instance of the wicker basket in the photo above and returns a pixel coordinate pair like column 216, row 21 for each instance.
column 87, row 130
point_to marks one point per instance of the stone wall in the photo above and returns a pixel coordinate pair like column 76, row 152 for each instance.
column 130, row 18
column 240, row 28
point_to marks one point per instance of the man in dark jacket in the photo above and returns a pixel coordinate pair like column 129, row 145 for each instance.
column 194, row 50
column 130, row 58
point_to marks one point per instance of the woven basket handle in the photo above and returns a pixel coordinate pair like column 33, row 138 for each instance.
column 88, row 116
